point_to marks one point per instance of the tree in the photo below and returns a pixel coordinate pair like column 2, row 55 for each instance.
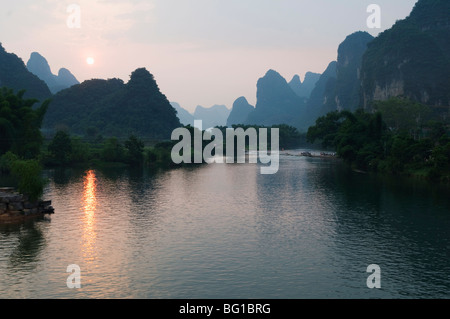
column 113, row 151
column 61, row 147
column 7, row 134
column 80, row 152
column 437, row 130
column 364, row 141
column 357, row 137
column 135, row 150
column 325, row 129
column 28, row 173
column 402, row 115
column 20, row 124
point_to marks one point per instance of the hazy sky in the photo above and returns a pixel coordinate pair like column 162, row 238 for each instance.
column 201, row 52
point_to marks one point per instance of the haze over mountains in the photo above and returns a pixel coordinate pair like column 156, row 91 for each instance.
column 276, row 102
column 304, row 89
column 39, row 66
column 338, row 88
column 300, row 104
column 412, row 59
column 314, row 105
column 99, row 107
column 183, row 115
column 35, row 77
column 216, row 115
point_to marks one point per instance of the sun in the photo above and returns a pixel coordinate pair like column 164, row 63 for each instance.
column 90, row 61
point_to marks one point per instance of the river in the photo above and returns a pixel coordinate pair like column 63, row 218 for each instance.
column 226, row 231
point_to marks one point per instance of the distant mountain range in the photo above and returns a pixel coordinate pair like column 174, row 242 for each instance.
column 317, row 99
column 183, row 115
column 412, row 60
column 35, row 78
column 216, row 115
column 276, row 102
column 300, row 104
column 106, row 107
column 15, row 75
column 304, row 89
column 39, row 66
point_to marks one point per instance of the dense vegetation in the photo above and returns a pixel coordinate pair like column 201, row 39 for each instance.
column 21, row 140
column 401, row 137
column 24, row 152
column 65, row 150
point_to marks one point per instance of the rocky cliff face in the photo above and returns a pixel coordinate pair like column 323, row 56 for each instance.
column 412, row 59
column 350, row 55
column 345, row 94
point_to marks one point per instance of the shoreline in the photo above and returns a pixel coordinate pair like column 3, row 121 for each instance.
column 313, row 155
column 17, row 208
column 415, row 175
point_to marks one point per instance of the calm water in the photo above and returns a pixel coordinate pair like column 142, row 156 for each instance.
column 225, row 231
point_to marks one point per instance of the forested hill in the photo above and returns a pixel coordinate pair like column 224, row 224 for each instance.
column 412, row 59
column 113, row 108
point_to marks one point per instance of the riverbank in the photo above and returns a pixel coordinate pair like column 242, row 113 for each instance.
column 311, row 154
column 15, row 207
column 423, row 173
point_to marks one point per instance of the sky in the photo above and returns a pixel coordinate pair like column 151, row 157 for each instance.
column 201, row 52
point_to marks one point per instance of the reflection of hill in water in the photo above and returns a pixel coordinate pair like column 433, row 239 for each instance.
column 27, row 245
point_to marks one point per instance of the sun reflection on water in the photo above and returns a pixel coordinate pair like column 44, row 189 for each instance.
column 89, row 208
